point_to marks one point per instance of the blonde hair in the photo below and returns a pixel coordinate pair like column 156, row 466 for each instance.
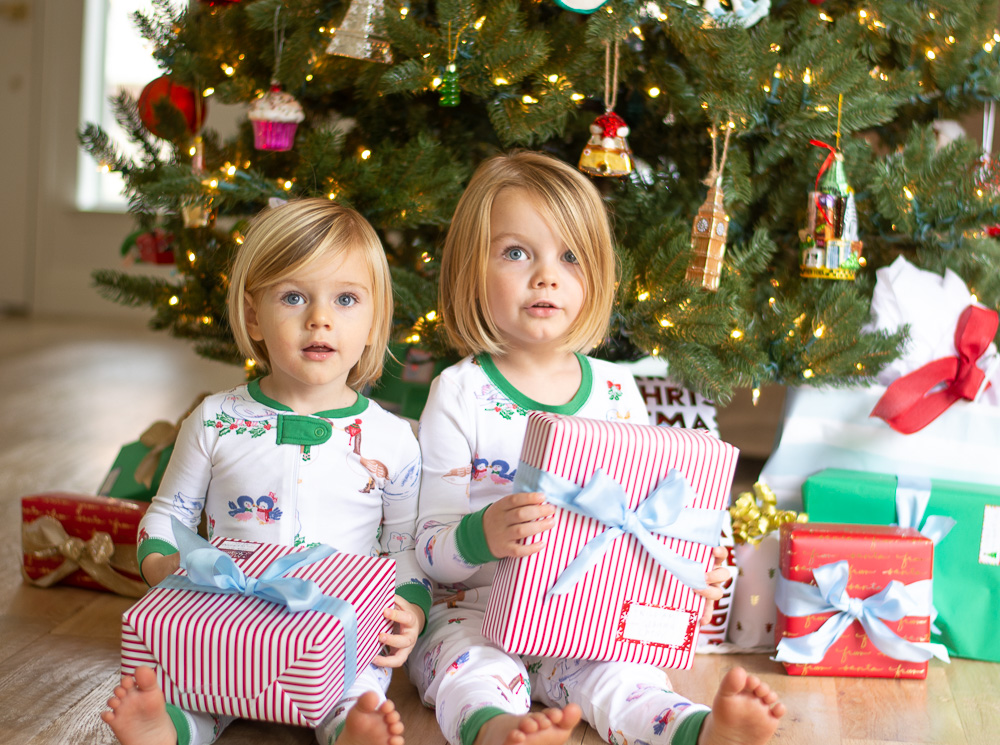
column 570, row 203
column 286, row 239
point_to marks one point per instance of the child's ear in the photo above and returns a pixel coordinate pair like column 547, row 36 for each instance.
column 253, row 326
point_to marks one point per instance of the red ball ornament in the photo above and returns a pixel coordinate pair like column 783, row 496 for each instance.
column 817, row 2
column 183, row 99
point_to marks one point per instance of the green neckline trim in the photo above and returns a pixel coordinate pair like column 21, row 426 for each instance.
column 569, row 408
column 260, row 397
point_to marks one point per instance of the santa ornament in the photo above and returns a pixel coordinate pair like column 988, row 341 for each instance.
column 607, row 152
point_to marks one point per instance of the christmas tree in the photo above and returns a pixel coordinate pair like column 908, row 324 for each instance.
column 810, row 120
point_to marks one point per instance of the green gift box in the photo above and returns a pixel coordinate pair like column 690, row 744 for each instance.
column 121, row 479
column 966, row 560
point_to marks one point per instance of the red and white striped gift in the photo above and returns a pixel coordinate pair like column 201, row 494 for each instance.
column 230, row 654
column 626, row 607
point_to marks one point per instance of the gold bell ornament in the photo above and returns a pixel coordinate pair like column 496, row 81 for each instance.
column 607, row 152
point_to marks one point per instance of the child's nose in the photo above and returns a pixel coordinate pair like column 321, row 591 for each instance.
column 319, row 317
column 545, row 275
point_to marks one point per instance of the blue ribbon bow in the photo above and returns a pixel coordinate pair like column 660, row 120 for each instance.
column 894, row 602
column 213, row 571
column 663, row 512
column 912, row 495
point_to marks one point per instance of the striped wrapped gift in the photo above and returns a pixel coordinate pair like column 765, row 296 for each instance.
column 248, row 657
column 626, row 607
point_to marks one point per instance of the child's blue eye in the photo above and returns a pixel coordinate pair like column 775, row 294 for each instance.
column 570, row 257
column 346, row 300
column 293, row 298
column 515, row 254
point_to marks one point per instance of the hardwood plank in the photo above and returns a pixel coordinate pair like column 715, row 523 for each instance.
column 900, row 710
column 975, row 688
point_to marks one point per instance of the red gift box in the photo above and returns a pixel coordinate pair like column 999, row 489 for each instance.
column 80, row 540
column 875, row 555
column 626, row 607
column 227, row 653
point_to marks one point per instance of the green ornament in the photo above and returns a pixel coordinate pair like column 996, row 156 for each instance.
column 834, row 181
column 450, row 95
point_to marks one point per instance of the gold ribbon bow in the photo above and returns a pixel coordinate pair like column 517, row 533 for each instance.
column 755, row 514
column 158, row 437
column 47, row 538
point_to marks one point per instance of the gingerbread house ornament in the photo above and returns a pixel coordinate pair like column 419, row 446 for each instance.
column 708, row 240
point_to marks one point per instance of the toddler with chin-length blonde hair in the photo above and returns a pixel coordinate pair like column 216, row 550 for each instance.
column 297, row 456
column 527, row 288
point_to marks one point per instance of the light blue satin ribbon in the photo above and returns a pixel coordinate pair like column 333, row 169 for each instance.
column 894, row 602
column 663, row 512
column 912, row 495
column 213, row 571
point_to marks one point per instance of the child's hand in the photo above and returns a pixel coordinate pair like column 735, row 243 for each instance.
column 407, row 620
column 715, row 579
column 157, row 567
column 514, row 517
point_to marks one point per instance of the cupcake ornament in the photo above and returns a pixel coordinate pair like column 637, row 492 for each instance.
column 275, row 116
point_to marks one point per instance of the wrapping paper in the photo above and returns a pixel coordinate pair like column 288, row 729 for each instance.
column 247, row 657
column 876, row 555
column 931, row 305
column 966, row 559
column 626, row 607
column 81, row 540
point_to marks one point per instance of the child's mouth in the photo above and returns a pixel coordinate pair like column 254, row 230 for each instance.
column 317, row 351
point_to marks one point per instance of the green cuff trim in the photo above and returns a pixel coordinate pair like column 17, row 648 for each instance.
column 419, row 595
column 689, row 728
column 338, row 730
column 153, row 546
column 180, row 722
column 470, row 539
column 469, row 729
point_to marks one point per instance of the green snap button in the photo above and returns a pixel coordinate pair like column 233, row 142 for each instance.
column 319, row 432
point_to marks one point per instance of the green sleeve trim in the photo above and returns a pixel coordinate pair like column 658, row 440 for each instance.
column 416, row 593
column 470, row 539
column 689, row 728
column 153, row 546
column 469, row 729
column 180, row 723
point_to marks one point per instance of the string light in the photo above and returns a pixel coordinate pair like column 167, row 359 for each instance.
column 807, row 373
column 435, row 83
column 755, row 396
column 825, row 17
column 231, row 170
column 655, row 352
column 736, row 334
column 403, row 11
column 931, row 55
column 366, row 154
column 228, row 69
column 249, row 364
column 553, row 78
column 860, row 366
column 207, row 320
column 331, row 196
column 207, row 92
column 820, row 330
column 577, row 97
column 643, row 296
column 907, row 192
column 654, row 92
column 431, row 315
column 412, row 338
column 666, row 323
column 191, row 256
column 528, row 99
column 499, row 80
column 287, row 185
column 173, row 300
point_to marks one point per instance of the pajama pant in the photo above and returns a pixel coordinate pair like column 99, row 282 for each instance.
column 468, row 680
column 201, row 728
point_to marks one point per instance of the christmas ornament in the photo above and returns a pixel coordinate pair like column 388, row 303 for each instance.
column 581, row 6
column 745, row 12
column 275, row 116
column 149, row 247
column 197, row 214
column 829, row 246
column 182, row 98
column 450, row 93
column 708, row 234
column 355, row 37
column 607, row 152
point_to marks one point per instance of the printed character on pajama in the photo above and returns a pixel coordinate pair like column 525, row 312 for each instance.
column 347, row 478
column 473, row 424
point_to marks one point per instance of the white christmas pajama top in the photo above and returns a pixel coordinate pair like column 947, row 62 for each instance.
column 471, row 432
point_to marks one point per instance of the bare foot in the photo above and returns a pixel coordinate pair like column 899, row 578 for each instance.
column 745, row 712
column 371, row 723
column 549, row 727
column 137, row 712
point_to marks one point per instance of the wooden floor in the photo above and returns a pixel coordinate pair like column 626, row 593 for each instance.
column 73, row 393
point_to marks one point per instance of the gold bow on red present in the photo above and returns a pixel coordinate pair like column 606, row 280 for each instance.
column 98, row 557
column 755, row 514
